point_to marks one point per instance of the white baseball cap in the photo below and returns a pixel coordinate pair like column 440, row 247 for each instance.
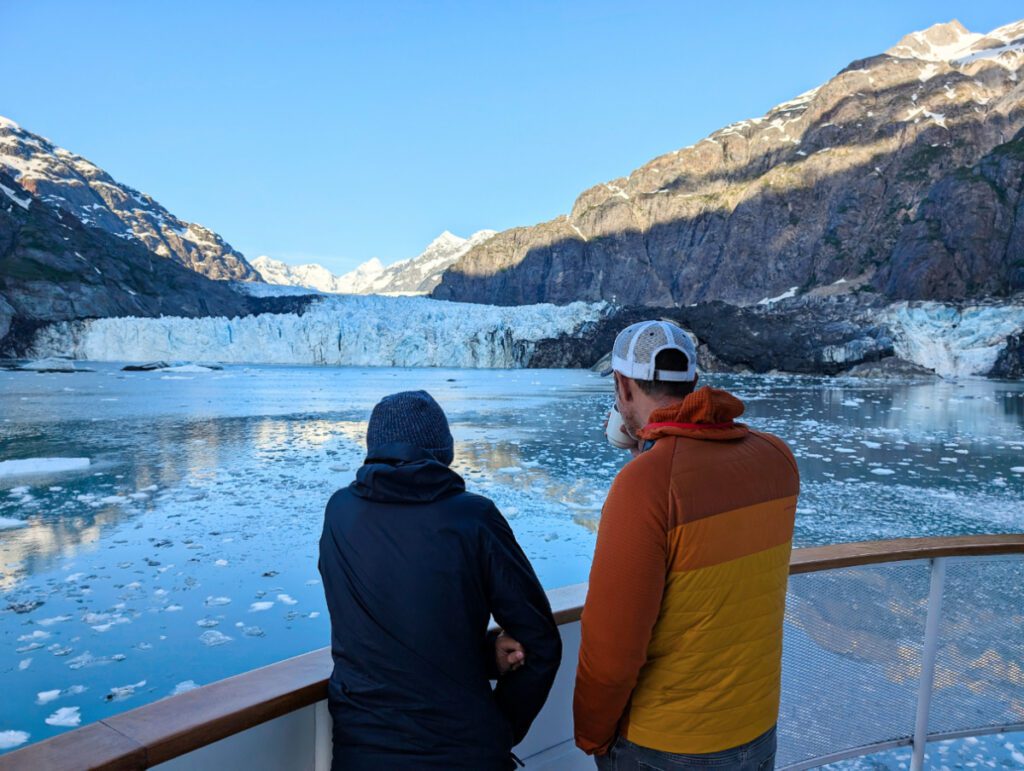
column 637, row 346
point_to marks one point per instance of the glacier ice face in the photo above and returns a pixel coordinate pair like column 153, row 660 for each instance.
column 955, row 342
column 336, row 330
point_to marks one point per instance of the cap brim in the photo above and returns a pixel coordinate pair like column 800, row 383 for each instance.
column 607, row 372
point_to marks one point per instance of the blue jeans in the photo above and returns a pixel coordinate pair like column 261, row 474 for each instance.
column 756, row 755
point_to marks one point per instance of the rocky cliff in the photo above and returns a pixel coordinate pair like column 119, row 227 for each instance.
column 55, row 268
column 901, row 176
column 64, row 180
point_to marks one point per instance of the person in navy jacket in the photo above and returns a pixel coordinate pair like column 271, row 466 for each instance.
column 413, row 568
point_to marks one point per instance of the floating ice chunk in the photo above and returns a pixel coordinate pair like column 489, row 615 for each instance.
column 253, row 631
column 1017, row 470
column 122, row 692
column 207, row 623
column 173, row 608
column 38, row 634
column 187, row 368
column 184, row 686
column 45, row 697
column 9, row 523
column 33, row 466
column 75, row 577
column 852, row 402
column 88, row 660
column 882, row 472
column 65, row 717
column 24, row 664
column 286, row 599
column 220, row 563
column 9, row 739
column 210, row 601
column 258, row 606
column 213, row 637
column 870, row 445
column 114, row 499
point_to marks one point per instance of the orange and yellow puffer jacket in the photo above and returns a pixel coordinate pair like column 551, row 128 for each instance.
column 682, row 627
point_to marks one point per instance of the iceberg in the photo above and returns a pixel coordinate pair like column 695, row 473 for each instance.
column 344, row 330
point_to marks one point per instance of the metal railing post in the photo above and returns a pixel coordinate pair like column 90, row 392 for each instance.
column 928, row 656
column 324, row 730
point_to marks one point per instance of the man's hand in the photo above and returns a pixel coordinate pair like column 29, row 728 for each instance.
column 508, row 653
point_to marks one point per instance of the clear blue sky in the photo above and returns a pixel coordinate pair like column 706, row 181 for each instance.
column 337, row 131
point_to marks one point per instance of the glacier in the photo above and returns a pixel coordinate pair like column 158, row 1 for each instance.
column 953, row 341
column 339, row 330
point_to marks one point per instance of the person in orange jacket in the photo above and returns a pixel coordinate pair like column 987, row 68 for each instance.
column 680, row 660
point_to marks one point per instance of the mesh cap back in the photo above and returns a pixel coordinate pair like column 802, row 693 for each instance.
column 637, row 346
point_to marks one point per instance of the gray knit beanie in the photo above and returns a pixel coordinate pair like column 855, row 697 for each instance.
column 413, row 417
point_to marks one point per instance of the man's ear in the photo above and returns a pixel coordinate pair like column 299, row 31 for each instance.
column 622, row 386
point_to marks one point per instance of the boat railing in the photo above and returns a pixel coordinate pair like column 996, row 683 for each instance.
column 888, row 644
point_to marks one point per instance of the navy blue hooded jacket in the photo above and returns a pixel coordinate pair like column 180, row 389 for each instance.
column 413, row 567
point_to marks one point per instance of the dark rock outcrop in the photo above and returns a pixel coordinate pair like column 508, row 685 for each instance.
column 902, row 174
column 824, row 336
column 1010, row 363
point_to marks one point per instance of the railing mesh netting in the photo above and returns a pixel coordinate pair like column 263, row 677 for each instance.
column 854, row 643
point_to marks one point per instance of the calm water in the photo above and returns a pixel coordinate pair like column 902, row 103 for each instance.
column 187, row 551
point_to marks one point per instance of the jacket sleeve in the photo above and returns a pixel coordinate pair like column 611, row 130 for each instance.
column 520, row 606
column 627, row 581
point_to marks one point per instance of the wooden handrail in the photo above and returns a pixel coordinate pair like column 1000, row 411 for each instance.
column 848, row 555
column 174, row 726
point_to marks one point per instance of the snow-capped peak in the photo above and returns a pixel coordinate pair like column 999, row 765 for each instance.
column 415, row 275
column 938, row 43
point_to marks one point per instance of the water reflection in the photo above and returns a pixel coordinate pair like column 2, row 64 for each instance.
column 205, row 498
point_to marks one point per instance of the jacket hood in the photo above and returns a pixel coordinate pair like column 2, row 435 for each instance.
column 708, row 413
column 399, row 472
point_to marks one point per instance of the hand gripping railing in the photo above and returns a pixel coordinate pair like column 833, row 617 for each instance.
column 173, row 727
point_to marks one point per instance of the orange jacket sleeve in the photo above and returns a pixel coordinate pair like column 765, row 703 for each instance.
column 627, row 580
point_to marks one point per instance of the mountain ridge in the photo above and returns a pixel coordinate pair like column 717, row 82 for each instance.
column 414, row 275
column 67, row 181
column 856, row 180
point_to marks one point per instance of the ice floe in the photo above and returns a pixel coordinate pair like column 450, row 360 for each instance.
column 65, row 717
column 212, row 637
column 122, row 692
column 184, row 686
column 36, row 466
column 11, row 739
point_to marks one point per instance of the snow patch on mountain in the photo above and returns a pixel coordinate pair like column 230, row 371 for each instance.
column 334, row 331
column 417, row 275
